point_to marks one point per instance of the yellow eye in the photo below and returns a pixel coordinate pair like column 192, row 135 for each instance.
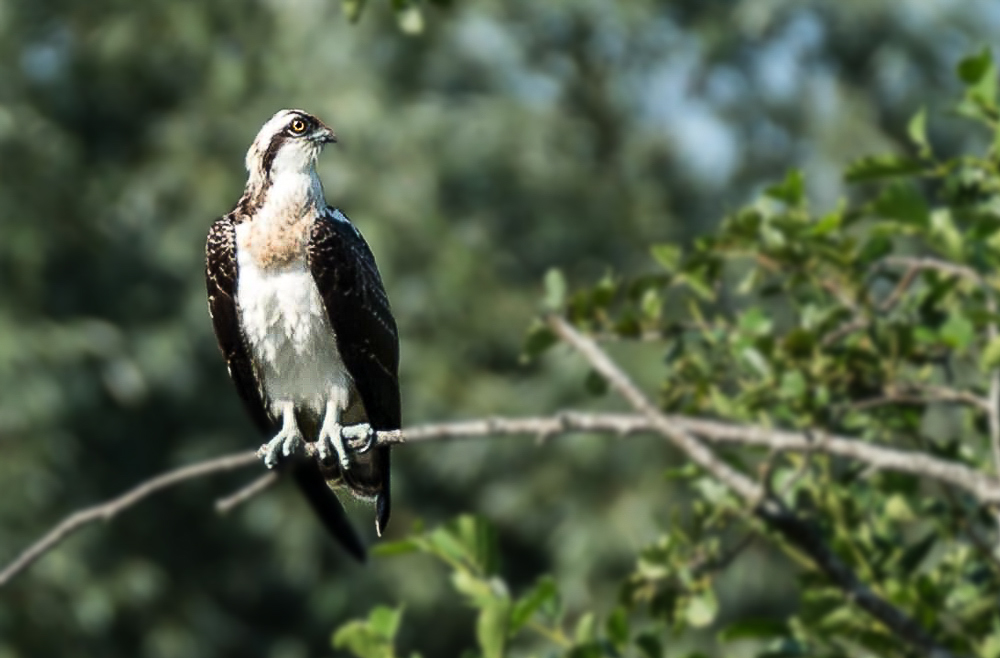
column 298, row 126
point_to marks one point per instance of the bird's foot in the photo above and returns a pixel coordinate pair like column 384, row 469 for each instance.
column 285, row 444
column 332, row 441
column 360, row 432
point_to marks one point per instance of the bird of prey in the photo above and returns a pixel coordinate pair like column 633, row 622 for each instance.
column 304, row 323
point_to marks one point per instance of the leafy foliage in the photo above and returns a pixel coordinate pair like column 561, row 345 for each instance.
column 877, row 319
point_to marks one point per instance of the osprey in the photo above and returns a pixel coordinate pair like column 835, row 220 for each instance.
column 304, row 323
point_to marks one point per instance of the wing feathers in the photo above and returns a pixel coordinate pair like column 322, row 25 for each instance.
column 347, row 277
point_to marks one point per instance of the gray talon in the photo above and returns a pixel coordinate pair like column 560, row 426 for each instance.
column 330, row 436
column 284, row 444
column 361, row 431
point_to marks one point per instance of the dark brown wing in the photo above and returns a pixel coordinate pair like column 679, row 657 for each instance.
column 221, row 278
column 345, row 272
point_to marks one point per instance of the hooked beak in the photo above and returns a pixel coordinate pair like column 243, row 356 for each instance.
column 323, row 135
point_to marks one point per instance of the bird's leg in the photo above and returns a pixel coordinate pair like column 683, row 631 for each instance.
column 286, row 442
column 330, row 434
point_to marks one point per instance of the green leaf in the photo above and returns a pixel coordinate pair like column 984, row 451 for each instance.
column 468, row 541
column 392, row 548
column 990, row 646
column 584, row 631
column 793, row 385
column 697, row 283
column 649, row 645
column 651, row 305
column 588, row 650
column 790, row 191
column 754, row 629
column 604, row 292
column 946, row 237
column 555, row 290
column 915, row 554
column 756, row 322
column 385, row 621
column 917, row 130
column 539, row 339
column 972, row 69
column 882, row 166
column 667, row 255
column 897, row 509
column 979, row 73
column 828, row 223
column 800, row 342
column 701, row 609
column 370, row 638
column 595, row 383
column 958, row 331
column 410, row 19
column 352, row 9
column 877, row 246
column 991, row 354
column 617, row 628
column 753, row 358
column 902, row 202
column 481, row 592
column 491, row 627
column 479, row 538
column 788, row 648
column 542, row 594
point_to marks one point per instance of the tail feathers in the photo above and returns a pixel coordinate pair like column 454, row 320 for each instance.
column 326, row 506
column 368, row 477
column 382, row 509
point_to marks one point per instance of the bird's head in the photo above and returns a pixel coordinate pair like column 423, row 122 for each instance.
column 288, row 143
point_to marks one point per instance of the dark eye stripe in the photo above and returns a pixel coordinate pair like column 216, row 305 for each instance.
column 272, row 151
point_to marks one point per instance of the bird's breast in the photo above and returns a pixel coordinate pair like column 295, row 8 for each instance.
column 287, row 331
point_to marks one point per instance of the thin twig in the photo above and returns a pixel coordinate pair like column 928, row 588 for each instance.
column 108, row 510
column 925, row 263
column 920, row 394
column 844, row 330
column 266, row 481
column 691, row 446
column 897, row 293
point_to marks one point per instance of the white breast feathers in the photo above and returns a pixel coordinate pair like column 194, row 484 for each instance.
column 289, row 335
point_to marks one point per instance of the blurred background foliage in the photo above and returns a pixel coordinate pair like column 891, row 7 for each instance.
column 482, row 142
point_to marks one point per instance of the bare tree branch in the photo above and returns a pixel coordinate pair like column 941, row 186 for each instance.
column 992, row 331
column 692, row 447
column 984, row 488
column 240, row 496
column 897, row 293
column 108, row 510
column 925, row 263
column 921, row 394
column 772, row 511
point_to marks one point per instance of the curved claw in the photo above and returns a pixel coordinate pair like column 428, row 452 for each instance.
column 285, row 444
column 361, row 432
column 331, row 439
